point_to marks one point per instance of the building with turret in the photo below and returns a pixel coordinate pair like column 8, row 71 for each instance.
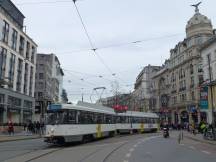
column 184, row 75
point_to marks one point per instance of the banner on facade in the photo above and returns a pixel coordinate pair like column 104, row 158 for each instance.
column 204, row 97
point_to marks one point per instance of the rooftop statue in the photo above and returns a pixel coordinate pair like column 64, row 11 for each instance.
column 196, row 7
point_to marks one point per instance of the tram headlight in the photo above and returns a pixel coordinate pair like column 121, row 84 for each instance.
column 52, row 130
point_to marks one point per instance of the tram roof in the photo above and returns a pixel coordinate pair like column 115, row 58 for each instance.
column 138, row 114
column 84, row 106
column 89, row 107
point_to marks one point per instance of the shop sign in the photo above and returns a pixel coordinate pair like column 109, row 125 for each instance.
column 204, row 97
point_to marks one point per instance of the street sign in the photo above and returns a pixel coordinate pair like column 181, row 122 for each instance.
column 204, row 97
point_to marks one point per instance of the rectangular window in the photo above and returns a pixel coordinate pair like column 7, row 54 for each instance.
column 27, row 104
column 40, row 85
column 2, row 100
column 40, row 94
column 31, row 82
column 5, row 32
column 192, row 96
column 33, row 54
column 41, row 75
column 209, row 58
column 14, row 40
column 27, row 50
column 11, row 69
column 14, row 102
column 3, row 56
column 200, row 79
column 25, row 79
column 21, row 46
column 19, row 75
column 192, row 82
column 200, row 68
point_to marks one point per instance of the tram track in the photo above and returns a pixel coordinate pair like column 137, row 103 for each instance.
column 102, row 148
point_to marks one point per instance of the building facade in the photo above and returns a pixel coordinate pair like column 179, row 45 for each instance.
column 17, row 67
column 120, row 99
column 184, row 75
column 141, row 93
column 160, row 93
column 49, row 80
column 208, row 91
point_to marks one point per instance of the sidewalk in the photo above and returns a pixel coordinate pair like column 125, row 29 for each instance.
column 198, row 137
column 17, row 136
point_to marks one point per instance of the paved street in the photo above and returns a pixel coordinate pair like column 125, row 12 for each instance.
column 16, row 148
column 128, row 148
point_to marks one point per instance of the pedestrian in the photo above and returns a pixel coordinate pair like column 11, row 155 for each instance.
column 42, row 125
column 10, row 128
column 30, row 127
column 37, row 127
column 34, row 127
column 25, row 127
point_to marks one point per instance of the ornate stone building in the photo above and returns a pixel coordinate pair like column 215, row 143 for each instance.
column 141, row 93
column 177, row 86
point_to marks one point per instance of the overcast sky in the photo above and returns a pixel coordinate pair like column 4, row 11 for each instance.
column 56, row 28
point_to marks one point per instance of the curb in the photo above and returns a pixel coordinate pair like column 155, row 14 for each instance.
column 19, row 139
column 202, row 141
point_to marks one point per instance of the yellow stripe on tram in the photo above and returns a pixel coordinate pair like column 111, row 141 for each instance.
column 99, row 132
column 142, row 128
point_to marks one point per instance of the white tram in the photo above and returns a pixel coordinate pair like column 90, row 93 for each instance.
column 85, row 121
column 133, row 121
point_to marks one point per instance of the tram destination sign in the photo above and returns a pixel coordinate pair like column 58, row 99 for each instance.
column 54, row 107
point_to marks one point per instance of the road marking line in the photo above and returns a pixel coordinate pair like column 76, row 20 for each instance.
column 128, row 155
column 135, row 146
column 192, row 147
column 125, row 161
column 181, row 144
column 206, row 152
column 131, row 150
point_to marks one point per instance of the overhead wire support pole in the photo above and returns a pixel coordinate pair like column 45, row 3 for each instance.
column 212, row 102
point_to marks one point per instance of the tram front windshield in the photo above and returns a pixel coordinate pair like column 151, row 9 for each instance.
column 56, row 117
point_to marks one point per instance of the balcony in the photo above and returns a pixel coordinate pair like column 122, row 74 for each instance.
column 192, row 86
column 174, row 91
column 182, row 89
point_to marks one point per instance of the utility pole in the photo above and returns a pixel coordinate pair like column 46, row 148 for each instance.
column 212, row 103
column 82, row 94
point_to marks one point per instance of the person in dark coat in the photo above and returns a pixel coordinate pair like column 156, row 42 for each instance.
column 10, row 128
column 37, row 127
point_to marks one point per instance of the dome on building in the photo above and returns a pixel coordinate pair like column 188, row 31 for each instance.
column 199, row 24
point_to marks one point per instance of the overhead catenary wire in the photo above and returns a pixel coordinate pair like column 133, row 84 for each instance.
column 121, row 44
column 94, row 49
column 89, row 38
column 43, row 2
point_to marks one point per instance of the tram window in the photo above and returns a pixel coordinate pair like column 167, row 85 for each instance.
column 85, row 117
column 108, row 119
column 100, row 118
column 71, row 117
column 145, row 120
column 118, row 119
